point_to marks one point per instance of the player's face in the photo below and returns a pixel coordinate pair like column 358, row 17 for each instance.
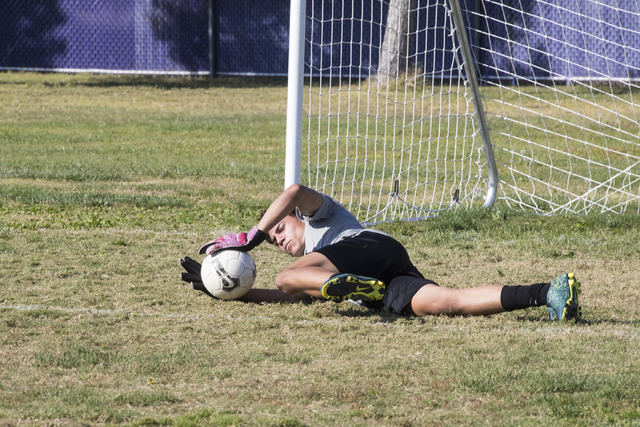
column 288, row 236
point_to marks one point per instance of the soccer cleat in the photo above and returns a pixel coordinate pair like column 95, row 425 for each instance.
column 349, row 286
column 562, row 298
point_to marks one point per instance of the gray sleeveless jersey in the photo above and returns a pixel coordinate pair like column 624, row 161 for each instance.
column 330, row 224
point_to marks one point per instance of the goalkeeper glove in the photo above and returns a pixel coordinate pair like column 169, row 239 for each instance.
column 192, row 276
column 242, row 242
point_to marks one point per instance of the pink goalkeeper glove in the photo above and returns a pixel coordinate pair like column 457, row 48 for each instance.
column 241, row 242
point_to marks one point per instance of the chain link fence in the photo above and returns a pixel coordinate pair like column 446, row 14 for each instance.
column 251, row 37
column 137, row 36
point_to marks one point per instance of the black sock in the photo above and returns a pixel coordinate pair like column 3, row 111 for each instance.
column 517, row 297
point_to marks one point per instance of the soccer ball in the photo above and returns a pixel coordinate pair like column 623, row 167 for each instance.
column 228, row 274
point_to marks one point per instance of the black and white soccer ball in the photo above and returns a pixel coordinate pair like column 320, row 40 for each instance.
column 228, row 274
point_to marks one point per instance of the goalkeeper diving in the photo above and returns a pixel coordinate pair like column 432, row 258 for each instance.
column 340, row 260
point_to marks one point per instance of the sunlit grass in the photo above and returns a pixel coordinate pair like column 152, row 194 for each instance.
column 101, row 195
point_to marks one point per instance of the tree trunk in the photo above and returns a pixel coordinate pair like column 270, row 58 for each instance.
column 394, row 53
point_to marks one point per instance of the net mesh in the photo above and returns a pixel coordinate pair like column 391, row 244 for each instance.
column 389, row 121
column 391, row 130
column 563, row 104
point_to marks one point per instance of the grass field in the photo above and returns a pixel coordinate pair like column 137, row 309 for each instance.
column 106, row 182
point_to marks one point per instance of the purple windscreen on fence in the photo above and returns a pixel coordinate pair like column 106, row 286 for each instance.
column 253, row 37
column 115, row 35
column 525, row 38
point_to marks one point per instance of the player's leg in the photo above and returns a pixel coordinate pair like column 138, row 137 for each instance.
column 307, row 275
column 366, row 262
column 343, row 270
column 432, row 299
column 315, row 275
column 560, row 295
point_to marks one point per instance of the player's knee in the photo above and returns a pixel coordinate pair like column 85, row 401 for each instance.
column 434, row 300
column 430, row 308
column 284, row 282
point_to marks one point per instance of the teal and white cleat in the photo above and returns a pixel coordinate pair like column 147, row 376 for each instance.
column 349, row 286
column 562, row 298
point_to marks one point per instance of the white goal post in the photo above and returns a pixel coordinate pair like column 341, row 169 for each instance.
column 405, row 108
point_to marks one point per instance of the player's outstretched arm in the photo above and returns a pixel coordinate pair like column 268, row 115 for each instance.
column 306, row 200
column 240, row 241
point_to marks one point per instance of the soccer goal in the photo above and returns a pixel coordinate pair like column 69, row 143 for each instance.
column 412, row 107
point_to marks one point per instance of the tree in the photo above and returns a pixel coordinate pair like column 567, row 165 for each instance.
column 394, row 54
column 28, row 33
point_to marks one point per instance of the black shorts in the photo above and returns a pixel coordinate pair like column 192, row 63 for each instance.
column 381, row 257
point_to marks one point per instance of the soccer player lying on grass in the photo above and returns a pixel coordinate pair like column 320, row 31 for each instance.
column 340, row 260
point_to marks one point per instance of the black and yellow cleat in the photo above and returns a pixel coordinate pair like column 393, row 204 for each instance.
column 349, row 286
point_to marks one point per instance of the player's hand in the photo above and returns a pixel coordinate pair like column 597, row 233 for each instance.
column 241, row 242
column 192, row 276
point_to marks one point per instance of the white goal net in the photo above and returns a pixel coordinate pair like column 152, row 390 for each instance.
column 533, row 104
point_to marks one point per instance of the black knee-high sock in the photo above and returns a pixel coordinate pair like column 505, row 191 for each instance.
column 517, row 297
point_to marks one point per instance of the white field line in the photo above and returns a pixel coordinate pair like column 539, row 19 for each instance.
column 34, row 307
column 114, row 230
column 620, row 333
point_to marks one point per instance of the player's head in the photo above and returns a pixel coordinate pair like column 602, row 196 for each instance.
column 288, row 235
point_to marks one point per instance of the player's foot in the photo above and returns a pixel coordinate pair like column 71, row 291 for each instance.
column 349, row 286
column 562, row 298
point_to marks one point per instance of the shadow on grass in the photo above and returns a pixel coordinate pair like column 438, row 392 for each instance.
column 178, row 82
column 380, row 316
column 612, row 322
column 181, row 82
column 585, row 321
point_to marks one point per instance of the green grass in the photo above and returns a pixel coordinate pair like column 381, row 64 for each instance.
column 105, row 182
